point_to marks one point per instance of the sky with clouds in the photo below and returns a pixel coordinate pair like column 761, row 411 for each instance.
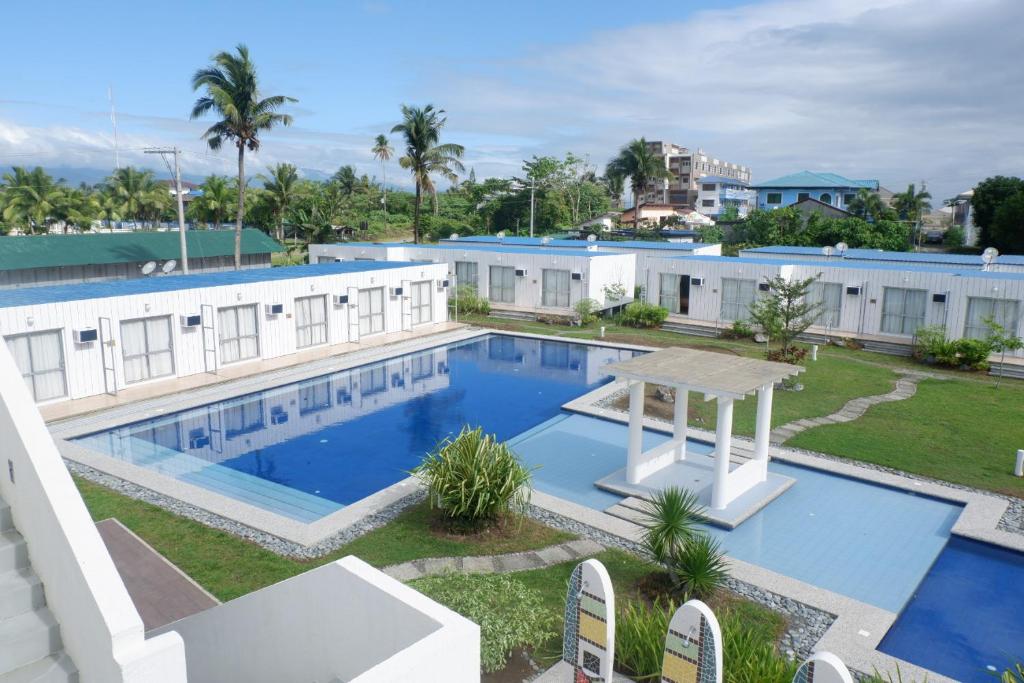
column 899, row 90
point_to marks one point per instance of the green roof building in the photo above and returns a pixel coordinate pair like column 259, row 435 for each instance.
column 27, row 261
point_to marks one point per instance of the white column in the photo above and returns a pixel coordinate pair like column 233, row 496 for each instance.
column 679, row 424
column 764, row 427
column 636, row 431
column 723, row 448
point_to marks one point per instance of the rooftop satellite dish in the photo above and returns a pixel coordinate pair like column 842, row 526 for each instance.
column 148, row 267
column 827, row 251
column 545, row 240
column 169, row 265
column 989, row 255
column 454, row 236
column 501, row 235
column 591, row 237
column 841, row 248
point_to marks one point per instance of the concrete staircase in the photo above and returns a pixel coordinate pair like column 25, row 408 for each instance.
column 30, row 645
column 689, row 328
column 507, row 314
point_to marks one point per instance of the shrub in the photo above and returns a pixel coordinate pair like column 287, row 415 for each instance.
column 792, row 354
column 509, row 613
column 931, row 346
column 748, row 657
column 615, row 292
column 671, row 518
column 699, row 567
column 469, row 301
column 640, row 637
column 739, row 330
column 586, row 309
column 474, row 479
column 640, row 314
column 954, row 237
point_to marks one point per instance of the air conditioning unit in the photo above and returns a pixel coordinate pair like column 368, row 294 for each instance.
column 938, row 298
column 85, row 335
column 696, row 282
column 344, row 397
column 445, row 284
column 764, row 287
column 520, row 272
column 396, row 291
column 275, row 309
column 340, row 299
column 278, row 417
column 196, row 442
column 338, row 260
column 577, row 276
column 853, row 290
column 191, row 320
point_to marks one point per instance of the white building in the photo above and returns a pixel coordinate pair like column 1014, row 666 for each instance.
column 1003, row 263
column 72, row 341
column 716, row 194
column 532, row 280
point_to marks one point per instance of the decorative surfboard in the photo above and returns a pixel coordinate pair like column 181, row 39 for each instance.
column 589, row 643
column 823, row 667
column 693, row 646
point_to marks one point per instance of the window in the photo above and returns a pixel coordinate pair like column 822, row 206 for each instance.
column 737, row 295
column 707, row 202
column 365, row 258
column 314, row 396
column 373, row 380
column 800, row 196
column 773, row 198
column 371, row 311
column 422, row 300
column 668, row 292
column 40, row 357
column 903, row 310
column 243, row 418
column 830, row 296
column 502, row 288
column 554, row 355
column 238, row 333
column 310, row 321
column 847, row 198
column 147, row 349
column 1005, row 312
column 708, row 187
column 466, row 274
column 422, row 366
column 326, row 259
column 555, row 288
column 826, row 198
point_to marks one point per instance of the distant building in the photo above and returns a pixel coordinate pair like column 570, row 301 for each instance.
column 36, row 260
column 809, row 205
column 963, row 215
column 649, row 213
column 603, row 223
column 827, row 188
column 688, row 167
column 716, row 194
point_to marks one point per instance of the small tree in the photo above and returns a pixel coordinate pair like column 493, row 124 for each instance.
column 1002, row 340
column 785, row 313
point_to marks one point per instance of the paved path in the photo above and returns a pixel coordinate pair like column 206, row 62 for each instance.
column 495, row 564
column 906, row 386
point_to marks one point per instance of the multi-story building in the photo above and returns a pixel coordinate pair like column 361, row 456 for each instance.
column 716, row 194
column 687, row 168
column 827, row 188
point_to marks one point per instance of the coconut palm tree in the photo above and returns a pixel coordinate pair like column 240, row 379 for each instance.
column 345, row 180
column 382, row 151
column 866, row 204
column 30, row 198
column 424, row 155
column 232, row 91
column 136, row 193
column 77, row 208
column 280, row 190
column 642, row 166
column 214, row 204
column 911, row 205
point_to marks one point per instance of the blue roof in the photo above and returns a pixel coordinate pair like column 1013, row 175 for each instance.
column 499, row 248
column 27, row 296
column 722, row 180
column 813, row 179
column 858, row 265
column 904, row 256
column 537, row 242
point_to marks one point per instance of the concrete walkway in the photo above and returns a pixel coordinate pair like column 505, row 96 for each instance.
column 495, row 564
column 906, row 387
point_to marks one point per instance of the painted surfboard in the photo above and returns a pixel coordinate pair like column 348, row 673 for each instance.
column 823, row 667
column 693, row 646
column 589, row 638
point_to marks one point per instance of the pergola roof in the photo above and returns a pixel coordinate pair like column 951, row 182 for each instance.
column 706, row 372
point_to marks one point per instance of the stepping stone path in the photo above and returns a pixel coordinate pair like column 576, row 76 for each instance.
column 906, row 386
column 495, row 564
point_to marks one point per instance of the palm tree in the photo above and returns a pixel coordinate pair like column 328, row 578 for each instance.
column 345, row 180
column 78, row 208
column 613, row 183
column 214, row 204
column 912, row 205
column 281, row 188
column 424, row 156
column 30, row 198
column 135, row 192
column 642, row 166
column 232, row 92
column 866, row 204
column 382, row 151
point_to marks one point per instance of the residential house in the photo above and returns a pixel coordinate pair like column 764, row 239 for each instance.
column 827, row 188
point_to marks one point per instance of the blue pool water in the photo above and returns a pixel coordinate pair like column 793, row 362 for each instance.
column 966, row 614
column 307, row 449
column 868, row 542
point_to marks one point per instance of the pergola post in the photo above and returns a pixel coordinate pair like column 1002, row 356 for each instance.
column 723, row 450
column 679, row 424
column 764, row 427
column 636, row 431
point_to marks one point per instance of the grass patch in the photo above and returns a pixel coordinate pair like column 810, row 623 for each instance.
column 960, row 431
column 229, row 566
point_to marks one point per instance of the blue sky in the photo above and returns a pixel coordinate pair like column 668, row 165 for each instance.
column 900, row 90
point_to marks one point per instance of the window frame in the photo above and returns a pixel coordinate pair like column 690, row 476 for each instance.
column 149, row 352
column 30, row 376
column 498, row 294
column 742, row 284
column 769, row 195
column 1000, row 316
column 424, row 290
column 557, row 293
column 311, row 327
column 369, row 316
column 902, row 315
column 238, row 338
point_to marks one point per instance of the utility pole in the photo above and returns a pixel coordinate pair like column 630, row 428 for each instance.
column 181, row 202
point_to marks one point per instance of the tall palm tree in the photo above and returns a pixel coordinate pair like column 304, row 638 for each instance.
column 78, row 208
column 232, row 91
column 382, row 152
column 911, row 205
column 135, row 192
column 345, row 180
column 30, row 198
column 425, row 155
column 281, row 188
column 642, row 166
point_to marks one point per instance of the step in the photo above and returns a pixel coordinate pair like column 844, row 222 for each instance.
column 512, row 315
column 55, row 668
column 627, row 513
column 1014, row 370
column 13, row 551
column 692, row 330
column 28, row 637
column 20, row 591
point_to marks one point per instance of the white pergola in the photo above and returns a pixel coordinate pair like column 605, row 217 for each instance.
column 718, row 376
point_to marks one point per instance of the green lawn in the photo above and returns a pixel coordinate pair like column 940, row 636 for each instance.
column 229, row 566
column 962, row 431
